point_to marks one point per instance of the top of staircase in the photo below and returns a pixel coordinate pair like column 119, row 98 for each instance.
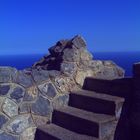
column 94, row 94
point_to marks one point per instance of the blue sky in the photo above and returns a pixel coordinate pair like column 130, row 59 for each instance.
column 31, row 26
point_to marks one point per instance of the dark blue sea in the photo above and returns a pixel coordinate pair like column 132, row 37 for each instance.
column 123, row 59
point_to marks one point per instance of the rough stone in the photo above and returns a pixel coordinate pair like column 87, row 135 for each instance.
column 40, row 120
column 1, row 101
column 108, row 73
column 85, row 55
column 54, row 73
column 40, row 62
column 10, row 108
column 58, row 48
column 4, row 88
column 6, row 136
column 96, row 65
column 68, row 68
column 81, row 75
column 19, row 124
column 71, row 55
column 40, row 76
column 60, row 101
column 24, row 78
column 28, row 134
column 7, row 74
column 70, row 84
column 31, row 94
column 25, row 108
column 48, row 90
column 3, row 120
column 41, row 107
column 17, row 94
column 60, row 84
column 79, row 42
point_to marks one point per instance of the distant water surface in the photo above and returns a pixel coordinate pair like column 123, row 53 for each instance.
column 19, row 61
column 123, row 59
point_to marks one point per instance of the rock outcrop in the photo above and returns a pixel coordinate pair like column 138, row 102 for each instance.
column 28, row 97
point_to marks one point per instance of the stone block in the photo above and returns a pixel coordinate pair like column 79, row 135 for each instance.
column 71, row 55
column 41, row 107
column 18, row 124
column 24, row 78
column 7, row 74
column 10, row 108
column 40, row 76
column 31, row 94
column 28, row 134
column 4, row 89
column 3, row 120
column 68, row 68
column 48, row 90
column 60, row 101
column 79, row 42
column 17, row 94
column 6, row 136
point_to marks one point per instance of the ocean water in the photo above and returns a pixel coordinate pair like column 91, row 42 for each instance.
column 19, row 61
column 123, row 59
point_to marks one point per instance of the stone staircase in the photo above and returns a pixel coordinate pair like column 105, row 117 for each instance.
column 89, row 116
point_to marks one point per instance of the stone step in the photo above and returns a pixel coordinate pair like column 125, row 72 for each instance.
column 96, row 102
column 117, row 87
column 84, row 122
column 55, row 132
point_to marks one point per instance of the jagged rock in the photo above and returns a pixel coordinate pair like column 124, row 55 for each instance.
column 79, row 42
column 74, row 50
column 58, row 48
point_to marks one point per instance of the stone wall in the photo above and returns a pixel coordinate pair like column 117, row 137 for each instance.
column 28, row 97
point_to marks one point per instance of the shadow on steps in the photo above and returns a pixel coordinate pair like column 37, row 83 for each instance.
column 119, row 87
